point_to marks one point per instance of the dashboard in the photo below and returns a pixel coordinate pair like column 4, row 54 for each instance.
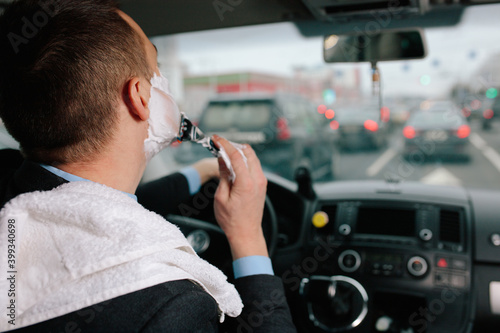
column 388, row 257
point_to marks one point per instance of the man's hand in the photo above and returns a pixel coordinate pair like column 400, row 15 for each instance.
column 207, row 168
column 239, row 206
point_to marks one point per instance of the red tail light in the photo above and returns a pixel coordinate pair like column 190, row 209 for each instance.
column 334, row 125
column 488, row 114
column 463, row 131
column 371, row 125
column 409, row 132
column 283, row 129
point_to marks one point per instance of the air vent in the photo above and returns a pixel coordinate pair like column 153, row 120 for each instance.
column 449, row 226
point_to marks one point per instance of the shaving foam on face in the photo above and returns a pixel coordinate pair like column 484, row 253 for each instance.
column 164, row 117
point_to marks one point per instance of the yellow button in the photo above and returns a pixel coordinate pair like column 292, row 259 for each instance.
column 320, row 219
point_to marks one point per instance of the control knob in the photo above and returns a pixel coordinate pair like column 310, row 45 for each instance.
column 417, row 266
column 349, row 261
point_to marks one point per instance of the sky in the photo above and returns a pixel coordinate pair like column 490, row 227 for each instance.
column 455, row 53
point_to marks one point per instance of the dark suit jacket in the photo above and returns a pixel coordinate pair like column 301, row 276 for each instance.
column 177, row 306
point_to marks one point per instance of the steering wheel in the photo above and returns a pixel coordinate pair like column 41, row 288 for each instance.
column 197, row 221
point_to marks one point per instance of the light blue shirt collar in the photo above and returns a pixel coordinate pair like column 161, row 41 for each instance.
column 72, row 178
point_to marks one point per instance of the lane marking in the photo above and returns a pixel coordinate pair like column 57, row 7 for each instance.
column 488, row 152
column 492, row 155
column 478, row 141
column 381, row 162
column 441, row 176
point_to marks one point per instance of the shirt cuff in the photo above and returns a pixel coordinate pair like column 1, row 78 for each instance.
column 252, row 265
column 193, row 178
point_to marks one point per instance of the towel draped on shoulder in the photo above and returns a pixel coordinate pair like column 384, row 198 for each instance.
column 83, row 243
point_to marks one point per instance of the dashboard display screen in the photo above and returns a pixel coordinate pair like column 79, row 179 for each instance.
column 381, row 221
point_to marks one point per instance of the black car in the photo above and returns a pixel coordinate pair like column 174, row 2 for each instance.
column 285, row 131
column 361, row 128
column 489, row 112
column 437, row 132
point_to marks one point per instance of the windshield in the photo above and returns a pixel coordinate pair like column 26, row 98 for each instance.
column 244, row 115
column 459, row 80
column 217, row 77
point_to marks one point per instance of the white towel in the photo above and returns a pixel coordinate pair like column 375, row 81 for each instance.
column 83, row 243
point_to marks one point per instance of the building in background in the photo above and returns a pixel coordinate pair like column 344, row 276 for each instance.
column 321, row 85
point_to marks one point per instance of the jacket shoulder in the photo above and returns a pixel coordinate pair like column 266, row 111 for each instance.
column 176, row 306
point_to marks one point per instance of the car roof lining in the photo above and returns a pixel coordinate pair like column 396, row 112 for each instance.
column 166, row 17
column 160, row 17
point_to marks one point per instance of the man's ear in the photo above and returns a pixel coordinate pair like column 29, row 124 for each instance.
column 136, row 97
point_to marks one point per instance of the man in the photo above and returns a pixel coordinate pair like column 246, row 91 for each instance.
column 80, row 89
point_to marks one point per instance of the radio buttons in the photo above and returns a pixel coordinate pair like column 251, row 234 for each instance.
column 417, row 266
column 345, row 229
column 425, row 235
column 349, row 261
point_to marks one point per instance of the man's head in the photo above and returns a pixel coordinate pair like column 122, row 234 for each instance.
column 63, row 68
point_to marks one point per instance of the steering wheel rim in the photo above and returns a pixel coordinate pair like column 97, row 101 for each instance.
column 270, row 230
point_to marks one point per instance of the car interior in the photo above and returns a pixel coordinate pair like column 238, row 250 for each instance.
column 389, row 243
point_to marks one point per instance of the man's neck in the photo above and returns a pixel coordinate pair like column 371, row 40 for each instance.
column 120, row 173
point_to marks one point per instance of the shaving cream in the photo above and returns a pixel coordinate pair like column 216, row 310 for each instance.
column 164, row 117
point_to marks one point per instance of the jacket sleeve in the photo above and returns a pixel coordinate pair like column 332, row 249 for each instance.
column 164, row 195
column 265, row 306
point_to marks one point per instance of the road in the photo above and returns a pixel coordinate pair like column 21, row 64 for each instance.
column 482, row 171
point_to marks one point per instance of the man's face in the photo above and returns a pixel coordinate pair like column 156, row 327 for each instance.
column 164, row 115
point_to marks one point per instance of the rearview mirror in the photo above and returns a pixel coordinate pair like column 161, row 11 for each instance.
column 369, row 47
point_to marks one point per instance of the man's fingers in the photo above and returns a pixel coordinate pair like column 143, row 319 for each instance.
column 253, row 161
column 223, row 170
column 239, row 166
column 222, row 193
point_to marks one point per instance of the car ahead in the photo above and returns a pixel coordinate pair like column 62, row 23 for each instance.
column 490, row 111
column 399, row 114
column 285, row 131
column 361, row 128
column 440, row 131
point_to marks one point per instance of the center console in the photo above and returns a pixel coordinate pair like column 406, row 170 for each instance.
column 384, row 266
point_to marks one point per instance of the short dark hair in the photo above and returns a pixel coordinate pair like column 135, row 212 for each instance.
column 63, row 65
